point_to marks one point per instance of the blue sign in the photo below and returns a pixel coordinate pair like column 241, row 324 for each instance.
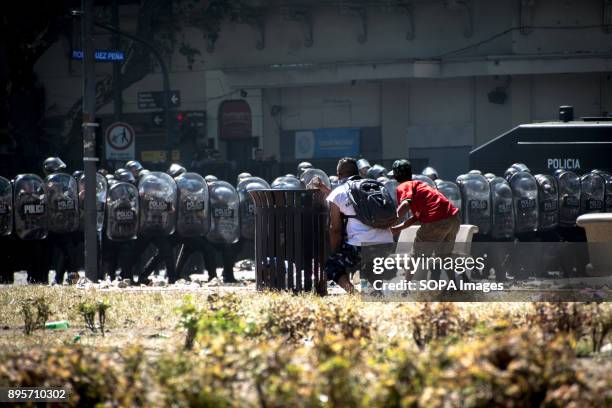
column 327, row 143
column 100, row 55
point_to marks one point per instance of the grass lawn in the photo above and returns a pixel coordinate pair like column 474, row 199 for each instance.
column 235, row 347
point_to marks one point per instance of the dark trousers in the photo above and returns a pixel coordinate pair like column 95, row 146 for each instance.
column 61, row 254
column 165, row 253
column 190, row 246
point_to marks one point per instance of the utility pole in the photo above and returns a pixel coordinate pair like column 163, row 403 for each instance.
column 89, row 139
column 117, row 99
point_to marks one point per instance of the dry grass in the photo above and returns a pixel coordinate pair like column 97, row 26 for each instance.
column 277, row 349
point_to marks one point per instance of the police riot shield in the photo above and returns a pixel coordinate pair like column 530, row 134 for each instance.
column 193, row 216
column 451, row 191
column 334, row 181
column 548, row 202
column 309, row 174
column 247, row 206
column 592, row 193
column 30, row 207
column 460, row 179
column 475, row 197
column 287, row 183
column 62, row 203
column 568, row 184
column 608, row 189
column 224, row 218
column 424, row 179
column 525, row 193
column 391, row 186
column 502, row 214
column 6, row 207
column 101, row 192
column 122, row 209
column 157, row 192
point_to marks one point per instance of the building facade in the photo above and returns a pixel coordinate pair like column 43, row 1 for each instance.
column 427, row 80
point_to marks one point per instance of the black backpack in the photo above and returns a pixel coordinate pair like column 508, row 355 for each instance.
column 372, row 202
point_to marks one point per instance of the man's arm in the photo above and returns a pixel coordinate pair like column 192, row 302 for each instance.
column 335, row 226
column 317, row 183
column 396, row 229
column 402, row 210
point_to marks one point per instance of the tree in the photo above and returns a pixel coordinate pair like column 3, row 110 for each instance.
column 29, row 28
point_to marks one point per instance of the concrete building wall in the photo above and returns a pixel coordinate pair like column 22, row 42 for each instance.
column 389, row 81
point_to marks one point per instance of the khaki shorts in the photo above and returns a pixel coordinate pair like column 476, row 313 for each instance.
column 438, row 237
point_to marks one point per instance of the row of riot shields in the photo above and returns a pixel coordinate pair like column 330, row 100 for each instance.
column 158, row 205
column 522, row 203
column 188, row 206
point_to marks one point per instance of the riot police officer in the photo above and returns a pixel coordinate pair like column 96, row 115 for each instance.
column 121, row 229
column 157, row 194
column 63, row 219
column 224, row 231
column 476, row 201
column 6, row 229
column 526, row 216
column 193, row 221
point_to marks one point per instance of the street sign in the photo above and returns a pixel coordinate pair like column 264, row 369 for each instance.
column 100, row 55
column 155, row 99
column 120, row 141
column 158, row 119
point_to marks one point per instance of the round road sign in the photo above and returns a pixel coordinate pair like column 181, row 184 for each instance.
column 120, row 136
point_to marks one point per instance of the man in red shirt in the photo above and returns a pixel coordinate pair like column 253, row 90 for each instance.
column 438, row 217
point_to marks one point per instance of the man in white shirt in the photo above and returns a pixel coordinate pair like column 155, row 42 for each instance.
column 346, row 253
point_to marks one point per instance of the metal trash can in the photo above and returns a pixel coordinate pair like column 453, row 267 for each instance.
column 291, row 240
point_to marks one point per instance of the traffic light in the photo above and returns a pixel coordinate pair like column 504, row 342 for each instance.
column 188, row 124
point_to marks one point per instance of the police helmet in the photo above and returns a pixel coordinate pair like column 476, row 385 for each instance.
column 474, row 171
column 210, row 178
column 363, row 166
column 176, row 170
column 430, row 172
column 243, row 176
column 376, row 171
column 134, row 167
column 509, row 172
column 303, row 166
column 53, row 165
column 77, row 174
column 521, row 167
column 125, row 176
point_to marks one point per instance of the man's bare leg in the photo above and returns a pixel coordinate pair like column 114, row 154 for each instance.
column 345, row 283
